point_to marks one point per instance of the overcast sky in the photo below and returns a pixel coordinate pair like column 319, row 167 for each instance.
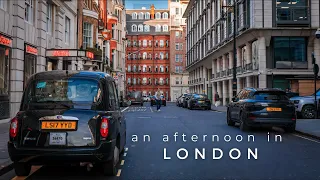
column 137, row 4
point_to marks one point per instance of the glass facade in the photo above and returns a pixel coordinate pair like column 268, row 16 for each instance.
column 4, row 82
column 290, row 52
column 292, row 12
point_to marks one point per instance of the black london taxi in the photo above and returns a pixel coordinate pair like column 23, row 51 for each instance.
column 68, row 117
column 262, row 107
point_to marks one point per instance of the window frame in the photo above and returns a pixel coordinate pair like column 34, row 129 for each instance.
column 90, row 32
column 29, row 11
column 67, row 30
column 49, row 18
column 134, row 28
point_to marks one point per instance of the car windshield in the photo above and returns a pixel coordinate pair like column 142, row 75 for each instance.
column 73, row 91
column 270, row 95
column 200, row 96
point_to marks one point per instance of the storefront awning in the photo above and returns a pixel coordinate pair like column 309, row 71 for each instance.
column 55, row 53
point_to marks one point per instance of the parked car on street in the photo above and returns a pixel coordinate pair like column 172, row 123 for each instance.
column 68, row 117
column 136, row 97
column 146, row 98
column 197, row 101
column 180, row 99
column 185, row 100
column 153, row 101
column 305, row 105
column 261, row 107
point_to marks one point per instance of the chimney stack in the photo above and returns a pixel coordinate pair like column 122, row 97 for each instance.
column 152, row 11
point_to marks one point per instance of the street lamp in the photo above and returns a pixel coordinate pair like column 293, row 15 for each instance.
column 234, row 79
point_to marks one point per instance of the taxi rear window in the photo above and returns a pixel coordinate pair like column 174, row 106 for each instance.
column 68, row 90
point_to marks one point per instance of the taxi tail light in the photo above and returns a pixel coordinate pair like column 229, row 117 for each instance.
column 14, row 127
column 293, row 118
column 104, row 128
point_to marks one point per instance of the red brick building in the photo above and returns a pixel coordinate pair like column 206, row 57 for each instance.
column 148, row 51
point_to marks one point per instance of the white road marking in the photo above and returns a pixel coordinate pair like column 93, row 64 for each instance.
column 124, row 154
column 122, row 163
column 306, row 138
column 126, row 149
column 151, row 109
column 119, row 172
column 124, row 109
column 144, row 117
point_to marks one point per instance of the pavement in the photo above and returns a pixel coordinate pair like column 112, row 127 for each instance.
column 146, row 158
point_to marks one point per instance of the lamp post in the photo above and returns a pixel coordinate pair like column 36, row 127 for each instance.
column 234, row 79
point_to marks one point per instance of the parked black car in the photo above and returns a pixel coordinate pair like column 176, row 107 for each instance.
column 199, row 101
column 185, row 100
column 261, row 107
column 136, row 97
column 153, row 101
column 68, row 118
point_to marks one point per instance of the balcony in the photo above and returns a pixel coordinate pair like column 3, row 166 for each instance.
column 292, row 16
column 249, row 67
column 223, row 73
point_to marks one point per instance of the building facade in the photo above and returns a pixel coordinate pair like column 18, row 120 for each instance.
column 115, row 47
column 43, row 35
column 148, row 51
column 27, row 30
column 178, row 74
column 274, row 42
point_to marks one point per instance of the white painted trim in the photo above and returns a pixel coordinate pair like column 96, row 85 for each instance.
column 90, row 13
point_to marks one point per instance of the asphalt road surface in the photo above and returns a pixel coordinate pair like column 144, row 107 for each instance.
column 294, row 157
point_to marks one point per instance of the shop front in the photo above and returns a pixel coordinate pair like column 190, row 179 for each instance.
column 30, row 62
column 66, row 55
column 5, row 56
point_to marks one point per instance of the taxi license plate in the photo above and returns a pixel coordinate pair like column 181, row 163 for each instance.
column 200, row 102
column 58, row 139
column 274, row 109
column 58, row 125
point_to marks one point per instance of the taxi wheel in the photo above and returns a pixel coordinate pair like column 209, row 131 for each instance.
column 110, row 167
column 22, row 169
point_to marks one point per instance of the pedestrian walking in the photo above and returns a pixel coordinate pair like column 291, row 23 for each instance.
column 217, row 99
column 158, row 99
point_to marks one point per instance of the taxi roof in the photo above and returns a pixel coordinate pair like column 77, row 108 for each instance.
column 58, row 74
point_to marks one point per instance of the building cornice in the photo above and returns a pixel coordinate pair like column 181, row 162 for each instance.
column 90, row 13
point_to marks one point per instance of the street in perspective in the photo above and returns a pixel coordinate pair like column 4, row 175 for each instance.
column 165, row 89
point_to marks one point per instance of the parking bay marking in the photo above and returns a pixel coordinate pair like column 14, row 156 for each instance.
column 33, row 170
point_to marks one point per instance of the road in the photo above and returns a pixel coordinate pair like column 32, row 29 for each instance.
column 295, row 157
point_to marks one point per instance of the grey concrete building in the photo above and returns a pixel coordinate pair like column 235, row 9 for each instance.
column 275, row 40
column 28, row 28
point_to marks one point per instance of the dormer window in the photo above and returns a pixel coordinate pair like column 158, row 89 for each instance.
column 134, row 15
column 158, row 15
